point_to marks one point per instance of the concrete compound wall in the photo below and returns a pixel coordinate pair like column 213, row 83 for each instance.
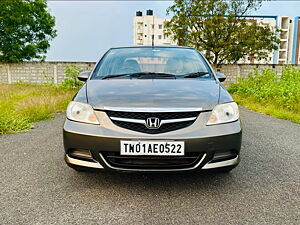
column 41, row 72
column 232, row 72
column 38, row 72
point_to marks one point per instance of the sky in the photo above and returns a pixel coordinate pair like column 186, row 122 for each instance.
column 87, row 29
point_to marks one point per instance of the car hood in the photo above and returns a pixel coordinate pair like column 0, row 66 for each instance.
column 153, row 93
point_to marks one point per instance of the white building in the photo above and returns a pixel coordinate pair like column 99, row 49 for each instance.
column 149, row 26
column 283, row 55
column 296, row 41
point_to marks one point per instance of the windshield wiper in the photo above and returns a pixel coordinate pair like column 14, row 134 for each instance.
column 115, row 75
column 140, row 74
column 194, row 75
column 151, row 74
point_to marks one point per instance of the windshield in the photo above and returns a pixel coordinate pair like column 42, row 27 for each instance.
column 175, row 61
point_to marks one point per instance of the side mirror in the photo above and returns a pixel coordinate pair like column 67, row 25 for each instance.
column 83, row 76
column 221, row 76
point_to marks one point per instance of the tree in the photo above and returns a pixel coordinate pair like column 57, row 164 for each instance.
column 26, row 27
column 219, row 29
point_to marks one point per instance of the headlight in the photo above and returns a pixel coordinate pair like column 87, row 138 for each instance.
column 224, row 113
column 81, row 112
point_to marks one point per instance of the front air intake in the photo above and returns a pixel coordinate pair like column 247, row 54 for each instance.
column 81, row 154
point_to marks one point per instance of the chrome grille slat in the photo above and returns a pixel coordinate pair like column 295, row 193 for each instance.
column 149, row 109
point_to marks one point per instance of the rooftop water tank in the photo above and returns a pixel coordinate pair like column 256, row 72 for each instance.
column 139, row 13
column 149, row 12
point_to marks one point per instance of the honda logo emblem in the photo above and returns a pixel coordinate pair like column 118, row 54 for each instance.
column 152, row 123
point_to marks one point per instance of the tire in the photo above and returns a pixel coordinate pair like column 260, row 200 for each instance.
column 226, row 169
column 80, row 169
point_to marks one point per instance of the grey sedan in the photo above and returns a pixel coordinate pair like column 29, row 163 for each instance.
column 152, row 109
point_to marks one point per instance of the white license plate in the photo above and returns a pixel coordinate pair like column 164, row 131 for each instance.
column 152, row 148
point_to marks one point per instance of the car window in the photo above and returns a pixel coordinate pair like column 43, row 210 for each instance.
column 177, row 61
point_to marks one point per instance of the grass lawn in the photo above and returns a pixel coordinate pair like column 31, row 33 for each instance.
column 267, row 108
column 23, row 104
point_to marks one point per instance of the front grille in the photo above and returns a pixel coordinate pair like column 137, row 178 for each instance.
column 139, row 127
column 145, row 115
column 152, row 162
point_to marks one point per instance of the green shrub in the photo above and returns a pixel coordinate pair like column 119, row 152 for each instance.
column 268, row 87
column 71, row 81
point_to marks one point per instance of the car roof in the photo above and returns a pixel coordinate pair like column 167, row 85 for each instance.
column 155, row 46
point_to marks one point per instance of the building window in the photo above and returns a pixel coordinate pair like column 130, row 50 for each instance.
column 160, row 26
column 145, row 25
column 159, row 37
column 145, row 35
column 152, row 26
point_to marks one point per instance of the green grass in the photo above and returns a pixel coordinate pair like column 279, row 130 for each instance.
column 267, row 108
column 23, row 104
column 268, row 93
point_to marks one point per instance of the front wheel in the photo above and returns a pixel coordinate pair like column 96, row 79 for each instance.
column 80, row 169
column 226, row 169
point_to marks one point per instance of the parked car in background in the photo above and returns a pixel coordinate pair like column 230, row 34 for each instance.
column 152, row 109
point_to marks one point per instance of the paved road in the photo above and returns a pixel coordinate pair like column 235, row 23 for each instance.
column 38, row 188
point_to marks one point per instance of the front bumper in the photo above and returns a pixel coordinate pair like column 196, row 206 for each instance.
column 209, row 165
column 199, row 138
